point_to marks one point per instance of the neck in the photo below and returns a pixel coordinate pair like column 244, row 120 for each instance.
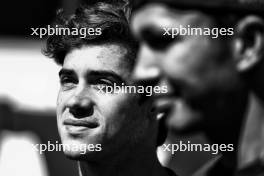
column 130, row 164
column 252, row 140
column 228, row 129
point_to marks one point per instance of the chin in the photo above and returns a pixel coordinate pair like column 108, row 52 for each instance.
column 185, row 130
column 81, row 155
column 184, row 127
column 74, row 155
column 79, row 148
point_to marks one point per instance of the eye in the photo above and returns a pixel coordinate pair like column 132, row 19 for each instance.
column 107, row 86
column 67, row 82
column 156, row 40
column 105, row 82
column 103, row 85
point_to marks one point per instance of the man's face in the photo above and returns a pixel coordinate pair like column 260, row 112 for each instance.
column 197, row 69
column 86, row 115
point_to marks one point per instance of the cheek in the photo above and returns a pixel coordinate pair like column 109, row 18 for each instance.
column 112, row 107
column 183, row 116
column 59, row 99
column 62, row 99
column 187, row 59
column 116, row 111
column 178, row 60
column 59, row 109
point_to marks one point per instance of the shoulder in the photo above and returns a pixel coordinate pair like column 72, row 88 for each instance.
column 170, row 172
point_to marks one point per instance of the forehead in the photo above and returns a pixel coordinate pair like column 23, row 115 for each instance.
column 165, row 16
column 96, row 57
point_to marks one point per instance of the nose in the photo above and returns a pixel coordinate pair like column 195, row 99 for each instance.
column 146, row 71
column 80, row 105
column 145, row 27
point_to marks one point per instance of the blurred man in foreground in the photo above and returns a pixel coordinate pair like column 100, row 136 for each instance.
column 118, row 131
column 214, row 67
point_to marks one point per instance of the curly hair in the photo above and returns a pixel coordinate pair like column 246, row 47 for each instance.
column 110, row 17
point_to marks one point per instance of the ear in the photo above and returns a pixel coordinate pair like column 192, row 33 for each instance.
column 249, row 42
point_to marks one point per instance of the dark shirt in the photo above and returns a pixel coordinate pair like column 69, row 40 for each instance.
column 254, row 169
column 170, row 172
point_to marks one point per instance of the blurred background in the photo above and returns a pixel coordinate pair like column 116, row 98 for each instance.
column 28, row 90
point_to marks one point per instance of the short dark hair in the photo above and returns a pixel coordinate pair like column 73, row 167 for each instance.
column 110, row 17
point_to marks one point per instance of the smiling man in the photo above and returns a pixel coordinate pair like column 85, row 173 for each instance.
column 119, row 130
column 210, row 54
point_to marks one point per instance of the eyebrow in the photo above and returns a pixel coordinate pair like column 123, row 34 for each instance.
column 101, row 73
column 64, row 71
column 106, row 73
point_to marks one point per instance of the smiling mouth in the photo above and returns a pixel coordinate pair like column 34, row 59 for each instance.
column 164, row 105
column 82, row 124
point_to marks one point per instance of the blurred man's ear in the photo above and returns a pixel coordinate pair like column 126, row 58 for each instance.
column 249, row 42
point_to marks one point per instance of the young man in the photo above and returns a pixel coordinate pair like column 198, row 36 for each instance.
column 215, row 76
column 110, row 133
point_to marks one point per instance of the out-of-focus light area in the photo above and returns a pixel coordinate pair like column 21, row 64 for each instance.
column 29, row 84
column 27, row 76
column 11, row 156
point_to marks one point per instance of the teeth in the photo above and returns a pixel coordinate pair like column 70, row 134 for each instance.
column 160, row 115
column 163, row 103
column 76, row 127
